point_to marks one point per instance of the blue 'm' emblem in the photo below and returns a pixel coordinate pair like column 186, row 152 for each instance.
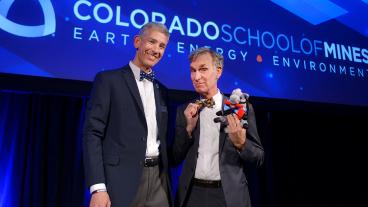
column 47, row 28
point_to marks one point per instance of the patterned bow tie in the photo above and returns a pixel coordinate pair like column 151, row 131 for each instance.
column 149, row 76
column 205, row 103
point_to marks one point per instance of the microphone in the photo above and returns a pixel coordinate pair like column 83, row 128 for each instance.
column 225, row 112
column 224, row 122
column 220, row 119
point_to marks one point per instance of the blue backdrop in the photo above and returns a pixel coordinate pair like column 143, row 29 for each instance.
column 302, row 50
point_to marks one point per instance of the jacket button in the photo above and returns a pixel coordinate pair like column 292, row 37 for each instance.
column 143, row 139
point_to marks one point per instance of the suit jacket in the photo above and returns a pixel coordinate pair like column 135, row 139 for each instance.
column 232, row 162
column 115, row 133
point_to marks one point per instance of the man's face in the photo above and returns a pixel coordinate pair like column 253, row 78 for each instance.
column 150, row 48
column 204, row 75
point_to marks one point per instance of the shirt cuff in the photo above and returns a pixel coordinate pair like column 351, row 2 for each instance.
column 98, row 186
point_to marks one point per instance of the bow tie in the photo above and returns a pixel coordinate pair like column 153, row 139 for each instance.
column 205, row 103
column 149, row 76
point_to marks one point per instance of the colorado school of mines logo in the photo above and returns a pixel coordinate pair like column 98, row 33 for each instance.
column 25, row 30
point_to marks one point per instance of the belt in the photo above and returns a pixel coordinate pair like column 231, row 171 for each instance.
column 151, row 161
column 207, row 183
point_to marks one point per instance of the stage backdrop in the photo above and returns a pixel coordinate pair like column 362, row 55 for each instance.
column 302, row 50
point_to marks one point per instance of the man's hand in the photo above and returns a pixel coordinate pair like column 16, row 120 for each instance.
column 191, row 115
column 237, row 133
column 100, row 199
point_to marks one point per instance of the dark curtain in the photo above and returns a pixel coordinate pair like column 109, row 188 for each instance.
column 315, row 154
column 40, row 150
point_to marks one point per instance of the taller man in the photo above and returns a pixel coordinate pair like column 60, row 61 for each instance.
column 124, row 137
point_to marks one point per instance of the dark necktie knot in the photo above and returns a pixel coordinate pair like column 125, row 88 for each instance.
column 205, row 103
column 149, row 76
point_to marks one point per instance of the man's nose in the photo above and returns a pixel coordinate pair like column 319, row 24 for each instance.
column 156, row 48
column 197, row 76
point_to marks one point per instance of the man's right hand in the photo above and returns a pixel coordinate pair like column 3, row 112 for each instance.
column 191, row 115
column 100, row 199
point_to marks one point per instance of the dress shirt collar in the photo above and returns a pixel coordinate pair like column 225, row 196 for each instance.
column 136, row 70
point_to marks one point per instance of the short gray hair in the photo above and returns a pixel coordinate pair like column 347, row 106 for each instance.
column 217, row 58
column 154, row 25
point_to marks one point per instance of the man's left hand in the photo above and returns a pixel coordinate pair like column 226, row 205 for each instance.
column 236, row 132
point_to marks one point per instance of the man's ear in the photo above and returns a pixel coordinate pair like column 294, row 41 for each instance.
column 219, row 72
column 137, row 41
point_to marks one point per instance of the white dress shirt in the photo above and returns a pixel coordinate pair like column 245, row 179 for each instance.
column 208, row 151
column 147, row 95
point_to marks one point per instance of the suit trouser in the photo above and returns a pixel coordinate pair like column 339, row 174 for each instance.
column 205, row 197
column 150, row 193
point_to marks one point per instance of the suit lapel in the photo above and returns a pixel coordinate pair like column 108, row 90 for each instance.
column 222, row 133
column 156, row 90
column 222, row 141
column 196, row 133
column 132, row 85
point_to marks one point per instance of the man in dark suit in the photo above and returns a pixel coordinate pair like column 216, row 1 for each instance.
column 213, row 171
column 124, row 137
